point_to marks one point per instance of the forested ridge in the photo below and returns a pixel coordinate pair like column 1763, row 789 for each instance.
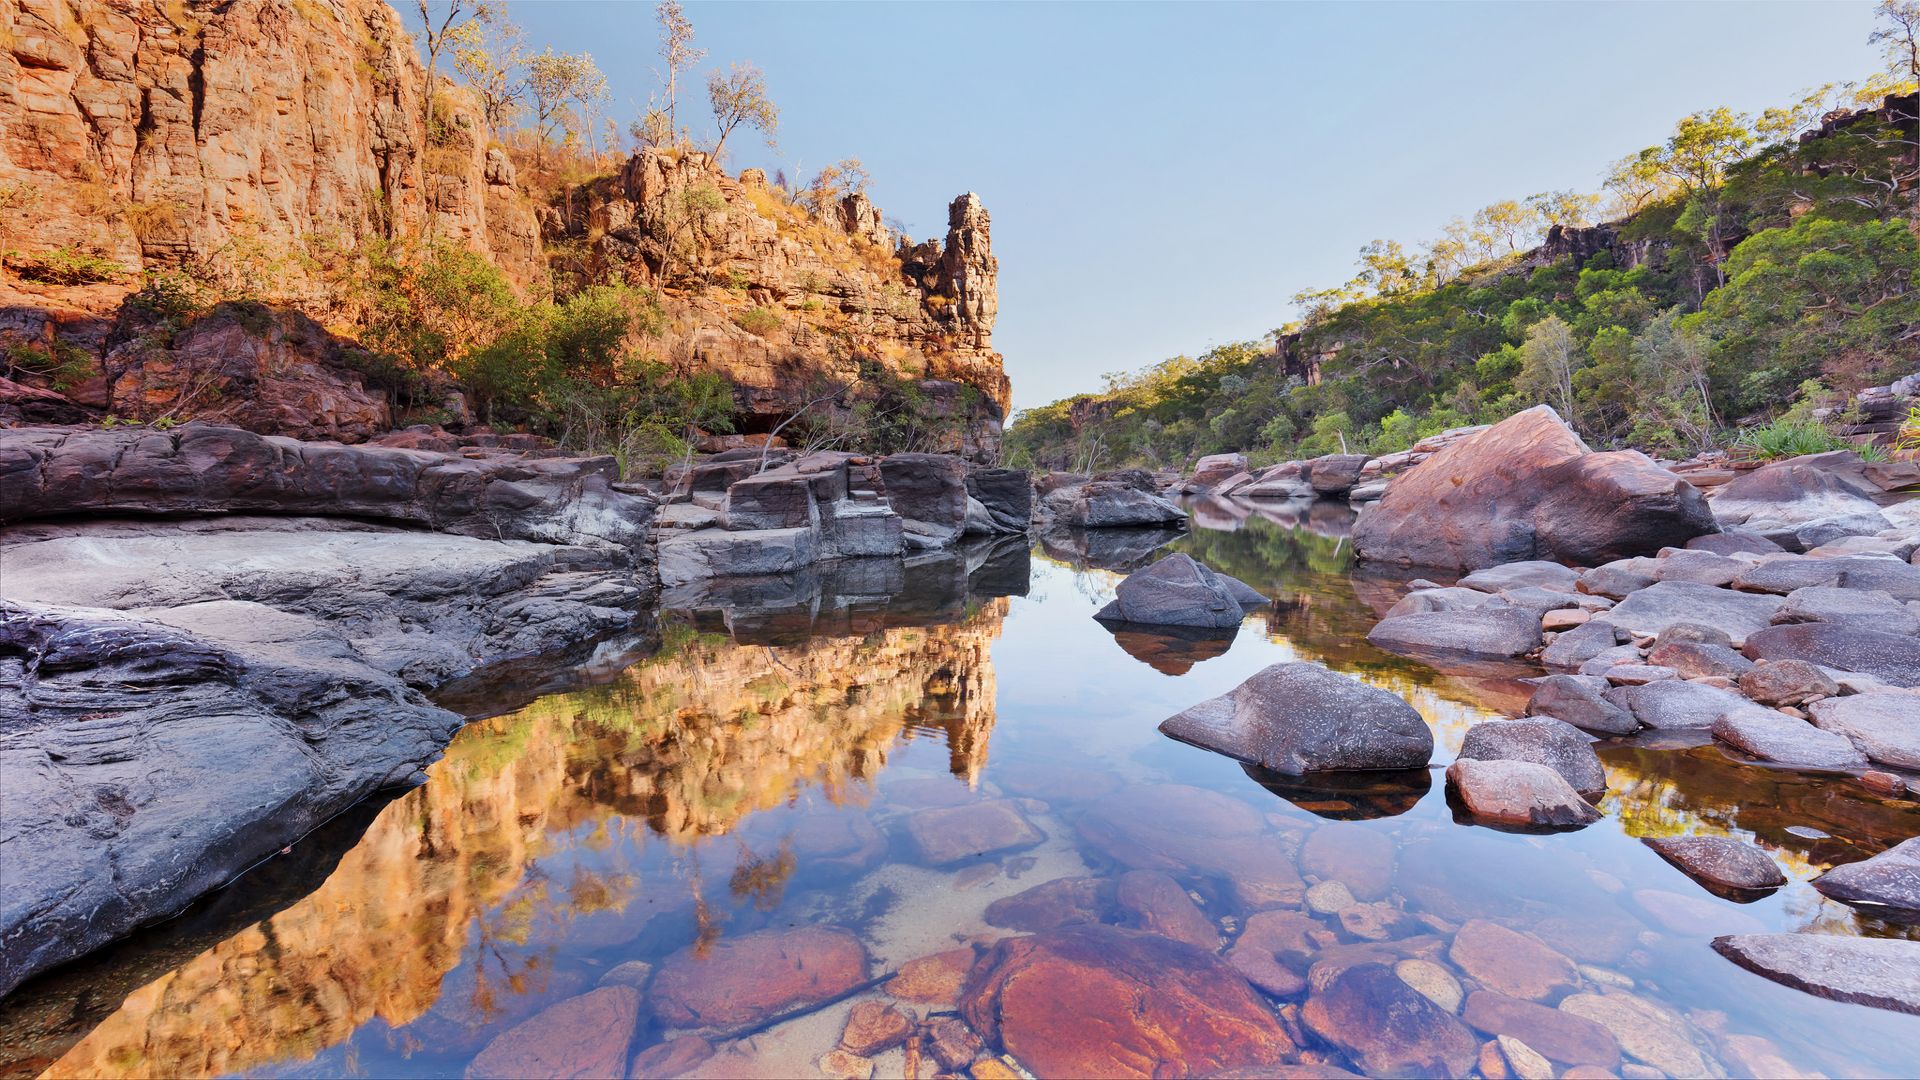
column 1724, row 285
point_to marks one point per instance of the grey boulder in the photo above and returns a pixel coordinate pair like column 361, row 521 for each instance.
column 1891, row 658
column 1890, row 879
column 1177, row 591
column 1777, row 737
column 1720, row 861
column 1580, row 700
column 1651, row 610
column 1881, row 972
column 1868, row 609
column 1675, row 704
column 1541, row 740
column 1298, row 718
column 1884, row 726
column 1497, row 631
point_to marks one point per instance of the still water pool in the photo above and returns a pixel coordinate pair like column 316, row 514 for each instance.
column 797, row 805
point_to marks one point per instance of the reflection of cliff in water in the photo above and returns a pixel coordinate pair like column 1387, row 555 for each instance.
column 445, row 916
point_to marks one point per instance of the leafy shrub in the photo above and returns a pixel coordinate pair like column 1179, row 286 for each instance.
column 64, row 266
column 1788, row 438
column 60, row 364
column 758, row 321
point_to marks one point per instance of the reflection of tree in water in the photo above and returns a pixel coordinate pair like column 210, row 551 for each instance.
column 443, row 917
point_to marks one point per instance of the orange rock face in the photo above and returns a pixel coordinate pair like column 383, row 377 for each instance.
column 1099, row 1001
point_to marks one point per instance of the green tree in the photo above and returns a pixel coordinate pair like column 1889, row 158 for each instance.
column 1546, row 365
column 739, row 96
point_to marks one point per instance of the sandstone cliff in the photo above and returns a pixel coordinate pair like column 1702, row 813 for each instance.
column 262, row 147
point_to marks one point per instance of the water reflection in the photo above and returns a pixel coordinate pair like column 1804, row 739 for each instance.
column 911, row 751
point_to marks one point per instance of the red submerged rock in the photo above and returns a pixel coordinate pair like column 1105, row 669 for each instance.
column 1158, row 905
column 962, row 832
column 587, row 1035
column 1099, row 1001
column 952, row 1043
column 1562, row 1036
column 1388, row 1027
column 1275, row 948
column 1187, row 830
column 1354, row 855
column 746, row 981
column 1510, row 962
column 1053, row 904
column 671, row 1058
column 873, row 1027
column 932, row 980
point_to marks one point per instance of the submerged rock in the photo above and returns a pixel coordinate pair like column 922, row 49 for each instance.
column 1541, row 740
column 1388, row 1027
column 1528, row 488
column 1177, row 591
column 1100, row 1001
column 1499, row 631
column 1881, row 972
column 950, row 834
column 742, row 982
column 1561, row 1036
column 1646, row 1032
column 1890, row 879
column 1511, row 962
column 589, row 1035
column 1518, row 793
column 1299, row 718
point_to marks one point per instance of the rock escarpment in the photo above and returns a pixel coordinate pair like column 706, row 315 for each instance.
column 265, row 148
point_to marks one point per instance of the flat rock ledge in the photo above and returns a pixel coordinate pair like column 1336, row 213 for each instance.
column 181, row 699
column 1881, row 972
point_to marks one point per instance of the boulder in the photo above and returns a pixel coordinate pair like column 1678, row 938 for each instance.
column 1621, row 577
column 1448, row 599
column 1177, row 591
column 1100, row 1001
column 1734, row 542
column 929, row 493
column 1653, row 609
column 1528, row 488
column 1881, row 972
column 1502, row 631
column 1891, row 576
column 1006, row 496
column 1579, row 700
column 1777, row 737
column 1890, row 879
column 1775, row 500
column 1510, row 962
column 1516, row 575
column 1786, row 682
column 1214, row 468
column 1335, row 474
column 1700, row 567
column 1582, row 643
column 1698, row 660
column 1150, row 900
column 1783, row 574
column 1287, row 480
column 1518, row 793
column 1863, row 608
column 950, row 834
column 1891, row 658
column 1648, row 1033
column 1720, row 861
column 1541, row 740
column 589, row 1035
column 1674, row 704
column 743, row 982
column 771, row 500
column 1884, row 726
column 1298, row 718
column 1108, row 503
column 207, row 469
column 1053, row 904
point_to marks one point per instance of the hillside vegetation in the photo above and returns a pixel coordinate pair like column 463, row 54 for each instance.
column 1754, row 269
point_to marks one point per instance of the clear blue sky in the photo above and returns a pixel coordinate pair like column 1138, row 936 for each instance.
column 1163, row 178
